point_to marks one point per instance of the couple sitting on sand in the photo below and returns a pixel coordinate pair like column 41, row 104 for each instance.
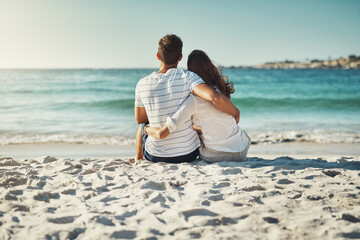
column 176, row 106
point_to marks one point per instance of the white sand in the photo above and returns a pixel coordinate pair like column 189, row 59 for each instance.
column 109, row 198
column 330, row 151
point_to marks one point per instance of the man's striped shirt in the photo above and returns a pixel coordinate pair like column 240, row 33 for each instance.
column 161, row 94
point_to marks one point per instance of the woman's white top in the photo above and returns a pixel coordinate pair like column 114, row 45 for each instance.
column 220, row 131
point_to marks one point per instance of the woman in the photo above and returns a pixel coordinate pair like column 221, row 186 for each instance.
column 222, row 139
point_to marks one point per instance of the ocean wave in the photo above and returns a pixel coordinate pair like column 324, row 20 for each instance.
column 269, row 137
column 249, row 104
column 86, row 90
column 316, row 136
column 116, row 104
column 65, row 138
column 297, row 103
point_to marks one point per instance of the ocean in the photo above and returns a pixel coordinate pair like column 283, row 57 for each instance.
column 95, row 106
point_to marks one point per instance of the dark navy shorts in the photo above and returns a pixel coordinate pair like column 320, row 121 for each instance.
column 179, row 159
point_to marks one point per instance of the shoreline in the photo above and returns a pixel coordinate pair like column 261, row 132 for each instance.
column 330, row 151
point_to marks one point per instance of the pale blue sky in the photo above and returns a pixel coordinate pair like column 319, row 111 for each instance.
column 104, row 33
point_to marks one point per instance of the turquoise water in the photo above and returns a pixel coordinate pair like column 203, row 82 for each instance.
column 96, row 105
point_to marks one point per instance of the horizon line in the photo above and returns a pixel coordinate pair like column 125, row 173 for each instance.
column 219, row 65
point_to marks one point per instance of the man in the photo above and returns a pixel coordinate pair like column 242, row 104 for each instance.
column 159, row 95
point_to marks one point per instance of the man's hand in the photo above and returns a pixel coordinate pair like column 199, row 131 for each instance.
column 218, row 99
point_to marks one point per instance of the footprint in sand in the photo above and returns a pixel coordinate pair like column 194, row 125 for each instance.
column 254, row 188
column 89, row 189
column 87, row 184
column 156, row 232
column 13, row 181
column 220, row 221
column 221, row 185
column 114, row 163
column 171, row 199
column 154, row 185
column 271, row 220
column 197, row 212
column 109, row 199
column 108, row 178
column 351, row 235
column 77, row 171
column 295, row 195
column 177, row 183
column 158, row 198
column 305, row 185
column 16, row 192
column 285, row 181
column 205, row 203
column 67, row 169
column 110, row 169
column 331, row 173
column 88, row 171
column 75, row 233
column 13, row 173
column 85, row 161
column 238, row 204
column 51, row 209
column 15, row 219
column 8, row 162
column 271, row 193
column 49, row 159
column 124, row 234
column 78, row 166
column 104, row 220
column 69, row 192
column 21, row 208
column 215, row 198
column 173, row 167
column 32, row 172
column 194, row 234
column 62, row 220
column 121, row 187
column 39, row 184
column 256, row 200
column 214, row 191
column 315, row 197
column 231, row 171
column 102, row 189
column 10, row 197
column 127, row 214
column 46, row 196
column 54, row 235
column 350, row 218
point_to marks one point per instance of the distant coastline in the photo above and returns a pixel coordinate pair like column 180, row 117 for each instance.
column 351, row 62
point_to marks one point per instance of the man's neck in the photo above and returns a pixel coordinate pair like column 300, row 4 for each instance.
column 164, row 68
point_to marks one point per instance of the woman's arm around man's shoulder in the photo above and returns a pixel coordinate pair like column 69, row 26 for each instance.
column 218, row 99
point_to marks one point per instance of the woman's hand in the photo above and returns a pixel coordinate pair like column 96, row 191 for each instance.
column 156, row 132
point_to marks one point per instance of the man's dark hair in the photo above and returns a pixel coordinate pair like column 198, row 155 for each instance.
column 170, row 49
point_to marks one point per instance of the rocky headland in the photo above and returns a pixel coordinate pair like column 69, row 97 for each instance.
column 352, row 62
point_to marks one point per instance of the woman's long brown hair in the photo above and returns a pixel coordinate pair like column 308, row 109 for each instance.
column 199, row 63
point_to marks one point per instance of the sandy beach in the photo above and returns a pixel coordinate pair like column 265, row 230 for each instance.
column 78, row 78
column 306, row 194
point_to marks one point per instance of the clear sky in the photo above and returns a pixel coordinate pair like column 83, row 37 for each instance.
column 124, row 33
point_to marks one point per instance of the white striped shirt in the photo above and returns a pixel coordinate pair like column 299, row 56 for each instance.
column 161, row 94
